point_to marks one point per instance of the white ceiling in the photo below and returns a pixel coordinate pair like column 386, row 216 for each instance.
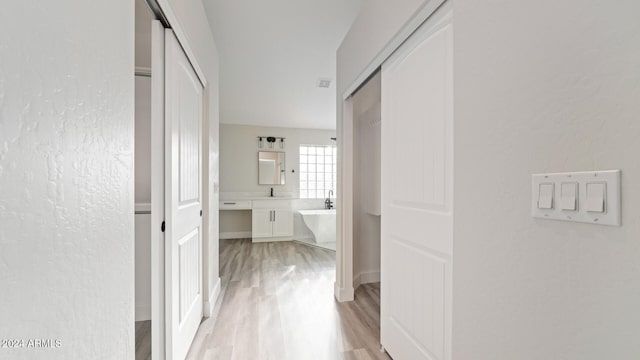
column 272, row 54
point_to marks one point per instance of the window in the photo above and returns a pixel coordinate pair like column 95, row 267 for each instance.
column 318, row 167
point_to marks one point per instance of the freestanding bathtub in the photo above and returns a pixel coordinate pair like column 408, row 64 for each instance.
column 322, row 224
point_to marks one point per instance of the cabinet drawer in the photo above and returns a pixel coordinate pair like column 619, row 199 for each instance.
column 235, row 205
column 272, row 204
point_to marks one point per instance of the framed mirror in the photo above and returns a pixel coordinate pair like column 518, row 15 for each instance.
column 271, row 168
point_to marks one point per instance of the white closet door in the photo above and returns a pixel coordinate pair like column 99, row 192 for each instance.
column 183, row 118
column 417, row 197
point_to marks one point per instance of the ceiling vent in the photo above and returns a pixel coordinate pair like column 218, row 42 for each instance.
column 324, row 83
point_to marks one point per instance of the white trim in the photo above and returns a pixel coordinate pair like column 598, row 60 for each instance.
column 272, row 239
column 209, row 305
column 157, row 193
column 366, row 277
column 426, row 10
column 143, row 313
column 235, row 235
column 343, row 289
column 344, row 238
column 313, row 243
column 344, row 294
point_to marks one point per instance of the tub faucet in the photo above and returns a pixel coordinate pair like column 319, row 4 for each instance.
column 328, row 204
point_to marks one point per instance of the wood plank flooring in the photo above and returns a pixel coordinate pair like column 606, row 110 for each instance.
column 143, row 340
column 277, row 303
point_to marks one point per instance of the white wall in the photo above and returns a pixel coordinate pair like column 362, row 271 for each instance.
column 239, row 169
column 143, row 140
column 142, row 189
column 66, row 178
column 539, row 87
column 143, row 267
column 193, row 22
column 142, row 192
column 144, row 17
column 366, row 192
column 544, row 87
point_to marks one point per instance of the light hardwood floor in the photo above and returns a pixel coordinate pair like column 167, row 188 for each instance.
column 143, row 340
column 277, row 303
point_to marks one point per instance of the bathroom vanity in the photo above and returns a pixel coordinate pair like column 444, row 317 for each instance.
column 271, row 217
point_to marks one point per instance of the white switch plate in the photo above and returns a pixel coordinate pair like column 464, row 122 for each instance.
column 610, row 216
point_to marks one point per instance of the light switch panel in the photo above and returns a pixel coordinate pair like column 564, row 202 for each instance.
column 589, row 197
column 568, row 196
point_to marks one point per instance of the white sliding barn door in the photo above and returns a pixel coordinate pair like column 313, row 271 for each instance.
column 183, row 165
column 417, row 197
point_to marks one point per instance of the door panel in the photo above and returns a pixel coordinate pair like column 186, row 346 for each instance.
column 190, row 134
column 417, row 196
column 183, row 156
column 188, row 255
column 261, row 223
column 283, row 223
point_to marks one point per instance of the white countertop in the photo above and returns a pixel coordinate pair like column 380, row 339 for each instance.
column 272, row 198
column 226, row 196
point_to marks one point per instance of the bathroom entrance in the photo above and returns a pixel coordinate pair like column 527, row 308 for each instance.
column 279, row 190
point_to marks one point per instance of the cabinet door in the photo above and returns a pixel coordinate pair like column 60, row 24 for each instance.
column 283, row 223
column 261, row 223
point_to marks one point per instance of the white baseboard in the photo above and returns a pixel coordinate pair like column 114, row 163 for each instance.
column 366, row 277
column 211, row 302
column 143, row 313
column 343, row 294
column 272, row 239
column 307, row 239
column 235, row 235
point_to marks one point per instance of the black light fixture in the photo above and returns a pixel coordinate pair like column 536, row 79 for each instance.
column 271, row 140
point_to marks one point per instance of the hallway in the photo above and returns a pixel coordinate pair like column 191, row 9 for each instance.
column 277, row 303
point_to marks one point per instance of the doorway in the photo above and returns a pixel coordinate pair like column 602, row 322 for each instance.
column 142, row 190
column 366, row 179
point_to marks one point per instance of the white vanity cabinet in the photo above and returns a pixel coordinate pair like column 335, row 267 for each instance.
column 272, row 220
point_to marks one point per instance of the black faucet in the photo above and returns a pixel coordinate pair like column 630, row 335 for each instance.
column 271, row 192
column 328, row 204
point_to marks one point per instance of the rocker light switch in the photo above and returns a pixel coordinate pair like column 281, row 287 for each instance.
column 545, row 196
column 596, row 197
column 568, row 193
